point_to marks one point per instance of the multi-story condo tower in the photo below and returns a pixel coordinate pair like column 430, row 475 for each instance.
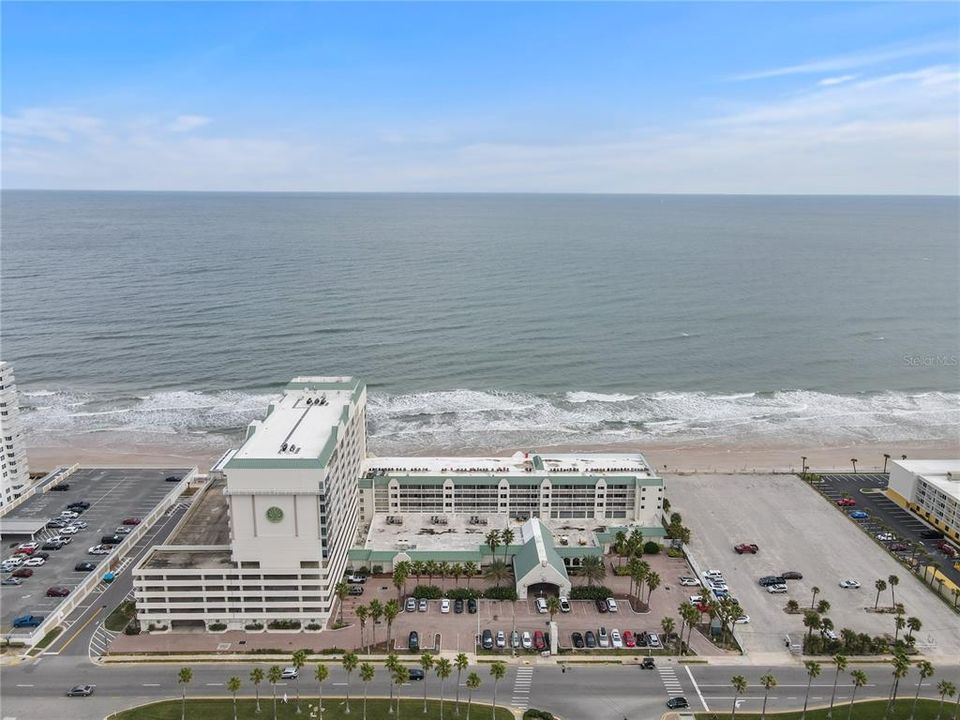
column 14, row 473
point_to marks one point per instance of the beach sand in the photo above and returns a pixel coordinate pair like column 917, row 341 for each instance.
column 119, row 451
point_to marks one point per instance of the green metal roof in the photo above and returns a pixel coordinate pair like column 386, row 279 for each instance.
column 528, row 558
column 573, row 551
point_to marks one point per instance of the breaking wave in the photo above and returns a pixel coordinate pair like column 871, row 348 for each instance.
column 463, row 419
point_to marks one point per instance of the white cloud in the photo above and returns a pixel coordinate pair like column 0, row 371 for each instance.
column 54, row 124
column 839, row 63
column 186, row 123
column 838, row 80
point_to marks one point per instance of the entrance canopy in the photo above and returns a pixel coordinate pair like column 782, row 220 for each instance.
column 537, row 561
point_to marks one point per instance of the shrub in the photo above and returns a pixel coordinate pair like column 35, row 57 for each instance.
column 590, row 592
column 462, row 594
column 314, row 626
column 131, row 629
column 217, row 627
column 651, row 548
column 253, row 626
column 427, row 592
column 363, row 571
column 534, row 714
column 500, row 593
column 378, row 569
column 284, row 624
column 675, row 553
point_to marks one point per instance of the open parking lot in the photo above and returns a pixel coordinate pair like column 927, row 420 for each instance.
column 114, row 495
column 885, row 515
column 797, row 529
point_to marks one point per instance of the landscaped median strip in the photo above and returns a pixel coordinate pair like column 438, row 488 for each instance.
column 862, row 710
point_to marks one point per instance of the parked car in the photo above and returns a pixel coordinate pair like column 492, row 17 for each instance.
column 790, row 575
column 859, row 515
column 611, row 604
column 355, row 590
column 541, row 605
column 22, row 573
column 539, row 641
column 131, row 521
column 768, row 580
column 50, row 545
column 696, row 599
column 458, row 606
column 123, row 530
column 653, row 641
column 898, row 547
column 526, row 641
column 58, row 591
column 69, row 530
column 616, row 639
column 57, row 523
column 81, row 691
column 849, row 584
column 42, row 554
column 62, row 539
column 28, row 621
column 677, row 703
column 830, row 635
column 445, row 605
column 172, row 478
column 289, row 673
column 487, row 640
column 111, row 540
column 84, row 567
column 886, row 537
column 413, row 641
column 846, row 502
column 515, row 639
column 99, row 550
column 603, row 637
column 11, row 581
column 411, row 605
column 750, row 548
column 779, row 588
column 34, row 562
column 28, row 546
column 80, row 504
column 61, row 487
column 576, row 637
column 590, row 639
column 629, row 639
column 471, row 606
column 422, row 605
column 501, row 639
column 689, row 581
column 742, row 620
column 602, row 605
column 564, row 604
column 351, row 579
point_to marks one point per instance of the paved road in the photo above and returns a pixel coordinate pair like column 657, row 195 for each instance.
column 34, row 690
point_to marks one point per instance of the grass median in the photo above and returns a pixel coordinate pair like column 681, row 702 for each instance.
column 867, row 710
column 334, row 708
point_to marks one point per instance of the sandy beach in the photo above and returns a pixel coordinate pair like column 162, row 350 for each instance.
column 116, row 450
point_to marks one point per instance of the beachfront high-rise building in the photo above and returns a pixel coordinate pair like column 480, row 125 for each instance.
column 931, row 489
column 14, row 473
column 292, row 498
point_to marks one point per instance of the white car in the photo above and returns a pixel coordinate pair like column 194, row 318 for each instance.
column 99, row 550
column 742, row 620
column 123, row 530
column 653, row 640
column 15, row 561
column 79, row 523
column 849, row 584
column 774, row 589
column 501, row 639
column 830, row 635
column 713, row 573
column 28, row 546
column 289, row 673
column 69, row 530
column 63, row 539
column 689, row 581
column 611, row 605
column 526, row 640
column 445, row 605
column 69, row 514
column 696, row 599
column 564, row 604
column 616, row 638
column 886, row 536
column 34, row 562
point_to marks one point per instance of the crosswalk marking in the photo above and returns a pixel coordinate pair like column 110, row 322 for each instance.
column 521, row 688
column 670, row 681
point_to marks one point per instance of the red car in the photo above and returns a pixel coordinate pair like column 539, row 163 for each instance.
column 26, row 550
column 746, row 548
column 628, row 639
column 538, row 641
column 57, row 591
column 22, row 573
column 132, row 521
column 846, row 502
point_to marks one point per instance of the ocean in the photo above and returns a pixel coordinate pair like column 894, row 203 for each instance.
column 487, row 321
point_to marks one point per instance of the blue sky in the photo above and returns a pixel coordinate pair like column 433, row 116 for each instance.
column 680, row 97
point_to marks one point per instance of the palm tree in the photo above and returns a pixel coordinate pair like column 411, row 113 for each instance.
column 392, row 663
column 361, row 613
column 461, row 663
column 553, row 606
column 497, row 571
column 274, row 675
column 183, row 679
column 637, row 570
column 493, row 541
column 376, row 612
column 913, row 625
column 401, row 571
column 497, row 671
column 653, row 582
column 349, row 662
column 739, row 683
column 426, row 662
column 886, row 456
column 320, row 674
column 668, row 625
column 811, row 620
column 813, row 670
column 899, row 624
column 469, row 569
column 473, row 682
column 417, row 568
column 366, row 675
column 298, row 660
column 894, row 581
column 256, row 677
column 341, row 590
column 880, row 585
column 841, row 662
column 816, row 591
column 854, row 461
column 233, row 687
column 859, row 680
column 593, row 569
column 925, row 670
column 946, row 689
column 400, row 676
column 901, row 666
column 443, row 669
column 823, row 607
column 768, row 682
column 620, row 545
column 390, row 612
column 506, row 537
column 456, row 570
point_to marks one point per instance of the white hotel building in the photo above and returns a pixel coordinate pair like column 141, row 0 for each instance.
column 931, row 489
column 292, row 495
column 14, row 473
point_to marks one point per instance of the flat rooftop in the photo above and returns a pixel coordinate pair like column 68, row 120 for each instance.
column 517, row 464
column 208, row 522
column 299, row 424
column 942, row 474
column 168, row 557
column 467, row 531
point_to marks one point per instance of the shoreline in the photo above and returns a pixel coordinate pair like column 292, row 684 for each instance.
column 722, row 458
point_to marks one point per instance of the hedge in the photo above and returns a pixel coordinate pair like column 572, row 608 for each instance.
column 590, row 592
column 501, row 593
column 427, row 592
column 534, row 714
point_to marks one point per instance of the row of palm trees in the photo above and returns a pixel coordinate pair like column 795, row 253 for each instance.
column 399, row 674
column 901, row 665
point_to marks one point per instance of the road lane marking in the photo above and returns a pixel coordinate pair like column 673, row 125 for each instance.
column 697, row 688
column 150, row 684
column 24, row 685
column 80, row 630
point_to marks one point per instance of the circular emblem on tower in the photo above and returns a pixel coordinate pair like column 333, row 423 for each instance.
column 274, row 514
